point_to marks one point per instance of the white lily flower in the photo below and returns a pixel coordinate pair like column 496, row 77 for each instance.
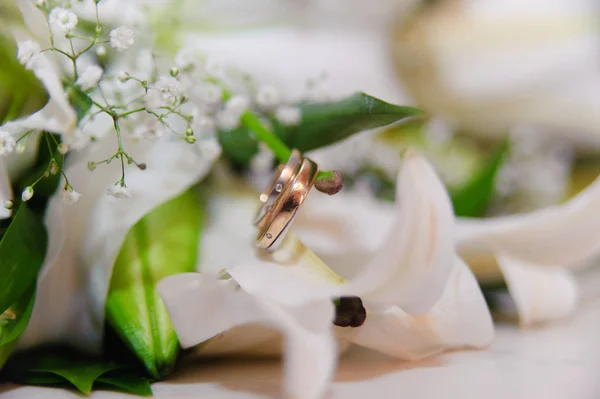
column 492, row 65
column 419, row 271
column 85, row 237
column 303, row 313
column 536, row 252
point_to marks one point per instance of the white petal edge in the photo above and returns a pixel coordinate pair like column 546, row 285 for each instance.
column 200, row 307
column 410, row 269
column 562, row 235
column 5, row 191
column 172, row 167
column 540, row 293
column 460, row 319
column 86, row 237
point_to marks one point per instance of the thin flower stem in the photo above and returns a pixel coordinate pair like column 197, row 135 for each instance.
column 280, row 150
column 133, row 111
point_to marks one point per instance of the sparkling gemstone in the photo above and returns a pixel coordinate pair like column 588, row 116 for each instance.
column 269, row 235
column 278, row 187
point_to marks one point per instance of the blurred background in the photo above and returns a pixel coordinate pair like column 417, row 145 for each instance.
column 520, row 73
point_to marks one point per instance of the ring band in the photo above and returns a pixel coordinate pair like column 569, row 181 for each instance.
column 278, row 219
column 283, row 176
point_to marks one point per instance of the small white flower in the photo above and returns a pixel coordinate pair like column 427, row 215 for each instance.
column 100, row 51
column 153, row 99
column 90, row 77
column 7, row 143
column 122, row 38
column 62, row 20
column 186, row 58
column 28, row 54
column 153, row 129
column 228, row 120
column 123, row 76
column 169, row 87
column 238, row 104
column 27, row 193
column 211, row 94
column 288, row 115
column 70, row 196
column 118, row 191
column 267, row 97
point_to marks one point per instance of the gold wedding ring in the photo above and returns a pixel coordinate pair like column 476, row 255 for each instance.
column 283, row 176
column 277, row 219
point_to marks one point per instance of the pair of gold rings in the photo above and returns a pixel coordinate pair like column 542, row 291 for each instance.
column 282, row 199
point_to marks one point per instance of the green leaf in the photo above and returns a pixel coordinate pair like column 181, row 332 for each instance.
column 322, row 124
column 45, row 187
column 127, row 381
column 473, row 198
column 22, row 252
column 79, row 100
column 21, row 93
column 59, row 365
column 162, row 243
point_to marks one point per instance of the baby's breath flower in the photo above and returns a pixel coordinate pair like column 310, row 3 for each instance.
column 70, row 196
column 63, row 148
column 78, row 141
column 238, row 104
column 29, row 55
column 118, row 191
column 123, row 76
column 288, row 115
column 267, row 97
column 122, row 38
column 8, row 204
column 153, row 99
column 27, row 193
column 62, row 20
column 211, row 94
column 90, row 77
column 186, row 58
column 7, row 143
column 227, row 120
column 169, row 87
column 100, row 51
column 152, row 129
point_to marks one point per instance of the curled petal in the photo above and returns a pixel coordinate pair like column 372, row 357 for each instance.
column 540, row 293
column 410, row 269
column 562, row 235
column 460, row 319
column 192, row 299
column 5, row 191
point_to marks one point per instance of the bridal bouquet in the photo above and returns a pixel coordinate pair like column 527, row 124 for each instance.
column 133, row 233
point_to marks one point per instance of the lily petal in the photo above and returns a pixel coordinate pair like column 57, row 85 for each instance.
column 411, row 267
column 460, row 319
column 94, row 229
column 562, row 235
column 305, row 319
column 540, row 293
column 5, row 191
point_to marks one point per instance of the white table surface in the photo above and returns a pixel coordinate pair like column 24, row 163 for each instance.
column 555, row 361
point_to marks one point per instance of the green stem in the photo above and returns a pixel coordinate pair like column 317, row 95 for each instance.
column 281, row 151
column 133, row 111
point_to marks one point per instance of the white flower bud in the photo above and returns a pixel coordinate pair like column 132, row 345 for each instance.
column 8, row 204
column 27, row 193
column 123, row 76
column 101, row 51
column 122, row 38
column 174, row 71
